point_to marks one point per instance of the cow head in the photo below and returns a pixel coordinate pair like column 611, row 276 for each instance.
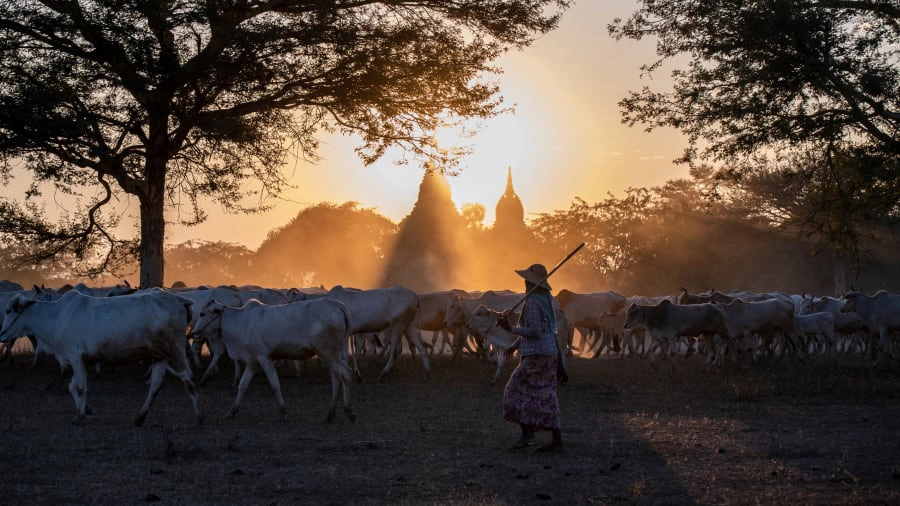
column 208, row 319
column 482, row 320
column 455, row 314
column 850, row 301
column 806, row 303
column 124, row 289
column 634, row 317
column 14, row 308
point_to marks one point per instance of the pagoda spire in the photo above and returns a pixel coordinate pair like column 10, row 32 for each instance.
column 509, row 211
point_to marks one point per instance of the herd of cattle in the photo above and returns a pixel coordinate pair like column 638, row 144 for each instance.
column 255, row 327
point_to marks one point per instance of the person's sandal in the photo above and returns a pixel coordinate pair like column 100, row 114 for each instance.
column 521, row 445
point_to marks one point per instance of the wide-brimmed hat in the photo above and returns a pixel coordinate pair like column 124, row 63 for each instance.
column 536, row 275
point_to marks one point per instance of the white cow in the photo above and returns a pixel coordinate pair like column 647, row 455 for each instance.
column 394, row 310
column 201, row 297
column 10, row 286
column 298, row 294
column 37, row 293
column 666, row 322
column 881, row 313
column 484, row 322
column 610, row 333
column 816, row 328
column 460, row 310
column 771, row 319
column 849, row 327
column 583, row 310
column 105, row 291
column 258, row 333
column 78, row 329
column 432, row 314
column 265, row 295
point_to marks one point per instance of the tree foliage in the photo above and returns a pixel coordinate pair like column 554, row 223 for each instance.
column 326, row 244
column 810, row 90
column 175, row 102
column 197, row 263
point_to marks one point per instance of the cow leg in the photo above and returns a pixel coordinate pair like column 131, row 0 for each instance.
column 249, row 371
column 341, row 377
column 357, row 344
column 236, row 378
column 590, row 339
column 157, row 375
column 605, row 340
column 501, row 359
column 196, row 349
column 799, row 343
column 390, row 363
column 342, row 373
column 335, row 386
column 36, row 358
column 437, row 343
column 414, row 337
column 216, row 350
column 390, row 348
column 211, row 368
column 78, row 389
column 352, row 351
column 690, row 343
column 460, row 338
column 185, row 374
column 604, row 343
column 709, row 349
column 628, row 342
column 345, row 378
column 272, row 375
column 446, row 341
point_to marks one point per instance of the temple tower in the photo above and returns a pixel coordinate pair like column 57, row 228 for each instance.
column 510, row 214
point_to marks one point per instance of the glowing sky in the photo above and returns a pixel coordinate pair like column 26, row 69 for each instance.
column 565, row 139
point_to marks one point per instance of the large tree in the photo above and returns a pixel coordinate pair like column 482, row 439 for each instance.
column 173, row 101
column 807, row 89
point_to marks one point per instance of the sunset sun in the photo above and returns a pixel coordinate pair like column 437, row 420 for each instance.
column 491, row 147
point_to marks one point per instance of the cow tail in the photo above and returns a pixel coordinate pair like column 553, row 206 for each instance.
column 351, row 343
column 189, row 309
column 418, row 323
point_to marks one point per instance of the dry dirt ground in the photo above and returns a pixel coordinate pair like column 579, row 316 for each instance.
column 787, row 434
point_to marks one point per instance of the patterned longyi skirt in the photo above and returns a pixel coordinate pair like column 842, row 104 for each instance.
column 530, row 395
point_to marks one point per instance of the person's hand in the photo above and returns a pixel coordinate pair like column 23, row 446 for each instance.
column 503, row 321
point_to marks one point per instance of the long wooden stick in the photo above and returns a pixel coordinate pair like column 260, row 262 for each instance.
column 533, row 288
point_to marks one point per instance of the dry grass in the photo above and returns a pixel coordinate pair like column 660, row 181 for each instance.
column 633, row 435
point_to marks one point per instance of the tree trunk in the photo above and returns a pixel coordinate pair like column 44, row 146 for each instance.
column 153, row 224
column 840, row 274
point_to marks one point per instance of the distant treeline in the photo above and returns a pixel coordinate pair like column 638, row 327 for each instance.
column 649, row 242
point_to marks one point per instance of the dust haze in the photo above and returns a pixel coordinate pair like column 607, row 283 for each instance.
column 650, row 242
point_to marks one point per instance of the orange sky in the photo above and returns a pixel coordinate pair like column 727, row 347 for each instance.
column 565, row 139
